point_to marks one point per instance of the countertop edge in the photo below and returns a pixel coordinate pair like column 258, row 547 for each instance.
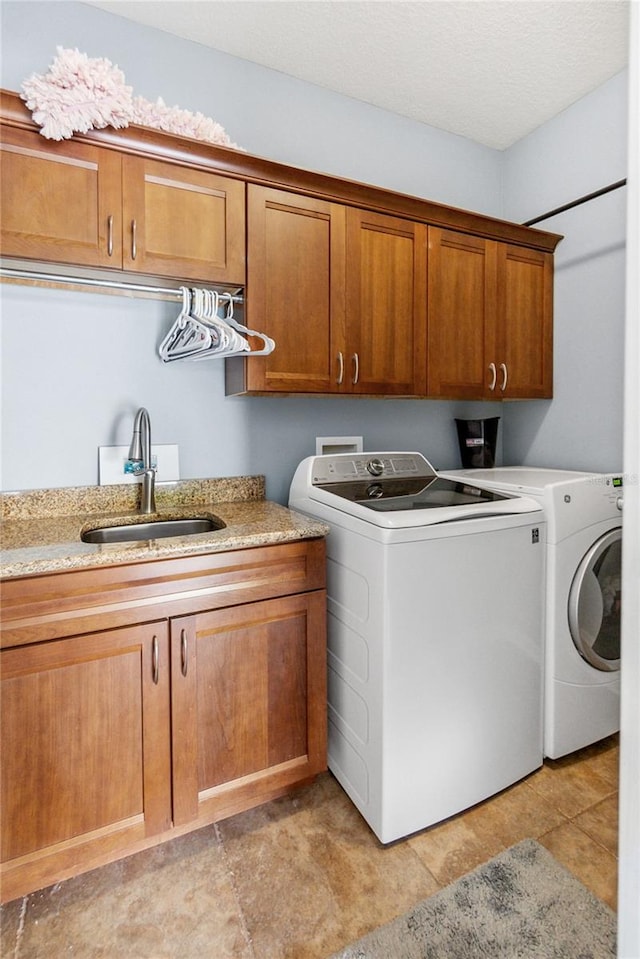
column 248, row 523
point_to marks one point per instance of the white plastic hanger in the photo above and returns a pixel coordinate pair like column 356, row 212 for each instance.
column 269, row 344
column 200, row 332
column 188, row 335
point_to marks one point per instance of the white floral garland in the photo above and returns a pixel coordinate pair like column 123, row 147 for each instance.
column 82, row 93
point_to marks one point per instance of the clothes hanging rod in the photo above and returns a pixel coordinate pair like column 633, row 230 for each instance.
column 123, row 286
column 578, row 202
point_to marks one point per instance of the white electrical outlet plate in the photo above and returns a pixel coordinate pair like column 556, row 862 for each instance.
column 111, row 460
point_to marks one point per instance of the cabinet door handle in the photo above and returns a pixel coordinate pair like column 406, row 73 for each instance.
column 494, row 376
column 110, row 235
column 340, row 369
column 356, row 368
column 503, row 370
column 134, row 243
column 155, row 660
column 184, row 652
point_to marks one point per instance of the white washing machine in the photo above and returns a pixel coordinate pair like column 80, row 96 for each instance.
column 435, row 635
column 584, row 539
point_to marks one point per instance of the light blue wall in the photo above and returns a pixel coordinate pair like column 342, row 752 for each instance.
column 577, row 153
column 76, row 365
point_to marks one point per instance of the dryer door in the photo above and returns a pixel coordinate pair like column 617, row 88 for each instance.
column 594, row 603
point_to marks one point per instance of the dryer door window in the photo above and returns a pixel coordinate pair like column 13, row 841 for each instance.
column 594, row 603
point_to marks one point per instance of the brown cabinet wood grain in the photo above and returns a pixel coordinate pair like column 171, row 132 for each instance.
column 60, row 201
column 386, row 305
column 295, row 292
column 248, row 703
column 341, row 291
column 210, row 700
column 182, row 223
column 85, row 749
column 78, row 203
column 490, row 319
column 524, row 354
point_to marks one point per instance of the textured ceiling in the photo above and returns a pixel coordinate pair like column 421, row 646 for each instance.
column 489, row 70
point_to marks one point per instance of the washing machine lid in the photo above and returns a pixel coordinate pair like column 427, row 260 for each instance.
column 403, row 489
column 522, row 479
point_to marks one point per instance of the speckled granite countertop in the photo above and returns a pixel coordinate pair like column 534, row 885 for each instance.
column 41, row 529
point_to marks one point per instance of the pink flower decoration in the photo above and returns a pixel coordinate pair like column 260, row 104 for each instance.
column 78, row 94
column 182, row 122
column 81, row 93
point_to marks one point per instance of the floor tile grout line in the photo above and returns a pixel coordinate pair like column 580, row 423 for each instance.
column 438, row 883
column 236, row 892
column 595, row 840
column 571, row 817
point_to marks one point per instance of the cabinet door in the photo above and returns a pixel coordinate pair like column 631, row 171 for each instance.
column 386, row 305
column 61, row 202
column 85, row 751
column 462, row 307
column 524, row 349
column 182, row 223
column 249, row 704
column 295, row 291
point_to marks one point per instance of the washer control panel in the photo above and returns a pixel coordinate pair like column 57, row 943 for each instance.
column 342, row 467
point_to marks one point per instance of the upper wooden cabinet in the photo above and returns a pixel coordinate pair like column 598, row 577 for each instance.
column 461, row 294
column 77, row 203
column 524, row 349
column 340, row 290
column 490, row 319
column 337, row 272
column 182, row 223
column 295, row 293
column 61, row 202
column 385, row 305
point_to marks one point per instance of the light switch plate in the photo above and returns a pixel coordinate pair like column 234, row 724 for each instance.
column 111, row 460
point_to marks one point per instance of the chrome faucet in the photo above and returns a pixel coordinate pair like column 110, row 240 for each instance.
column 140, row 459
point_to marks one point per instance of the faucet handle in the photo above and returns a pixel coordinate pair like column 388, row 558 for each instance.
column 137, row 467
column 133, row 466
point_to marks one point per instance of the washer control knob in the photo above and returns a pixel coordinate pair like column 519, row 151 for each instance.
column 375, row 467
column 619, row 503
column 375, row 491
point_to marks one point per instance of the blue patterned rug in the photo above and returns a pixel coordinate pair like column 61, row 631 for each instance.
column 520, row 905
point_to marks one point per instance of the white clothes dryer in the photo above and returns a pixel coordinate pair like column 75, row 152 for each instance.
column 583, row 597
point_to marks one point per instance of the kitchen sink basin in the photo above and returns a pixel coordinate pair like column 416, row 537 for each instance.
column 154, row 529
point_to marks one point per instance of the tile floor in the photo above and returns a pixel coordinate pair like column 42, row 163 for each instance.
column 302, row 876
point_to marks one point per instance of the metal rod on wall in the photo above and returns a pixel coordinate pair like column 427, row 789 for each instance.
column 582, row 199
column 116, row 285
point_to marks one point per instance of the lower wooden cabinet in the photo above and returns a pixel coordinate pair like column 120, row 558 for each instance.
column 120, row 738
column 248, row 703
column 85, row 749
